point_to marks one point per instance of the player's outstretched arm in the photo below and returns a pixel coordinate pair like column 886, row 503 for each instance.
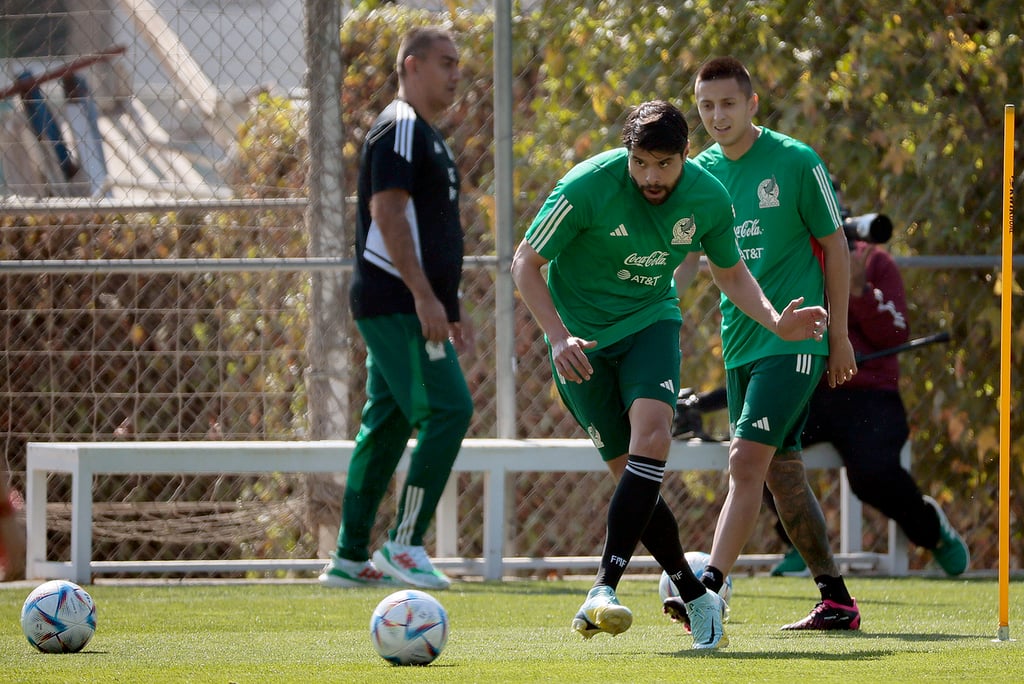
column 800, row 323
column 793, row 324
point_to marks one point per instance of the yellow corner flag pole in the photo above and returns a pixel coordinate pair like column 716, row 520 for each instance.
column 1004, row 378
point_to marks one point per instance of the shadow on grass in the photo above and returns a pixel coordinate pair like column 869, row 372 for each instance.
column 731, row 653
column 523, row 587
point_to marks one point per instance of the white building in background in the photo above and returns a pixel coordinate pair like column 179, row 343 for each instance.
column 238, row 43
column 186, row 71
column 170, row 103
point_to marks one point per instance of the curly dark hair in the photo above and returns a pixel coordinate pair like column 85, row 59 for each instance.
column 656, row 126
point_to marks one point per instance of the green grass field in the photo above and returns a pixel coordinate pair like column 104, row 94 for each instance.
column 518, row 631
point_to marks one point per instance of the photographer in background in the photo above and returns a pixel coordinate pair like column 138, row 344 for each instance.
column 864, row 419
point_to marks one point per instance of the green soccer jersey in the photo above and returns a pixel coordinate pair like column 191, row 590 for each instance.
column 612, row 253
column 784, row 200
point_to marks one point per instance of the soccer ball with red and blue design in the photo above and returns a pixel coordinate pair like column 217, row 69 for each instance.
column 698, row 560
column 58, row 617
column 409, row 627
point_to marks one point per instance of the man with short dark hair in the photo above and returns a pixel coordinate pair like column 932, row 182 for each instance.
column 611, row 235
column 406, row 304
column 789, row 228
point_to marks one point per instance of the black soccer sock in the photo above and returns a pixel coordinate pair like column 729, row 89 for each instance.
column 661, row 537
column 833, row 589
column 628, row 514
column 713, row 578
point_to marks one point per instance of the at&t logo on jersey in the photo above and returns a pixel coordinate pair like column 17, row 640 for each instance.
column 637, row 278
column 748, row 229
column 652, row 260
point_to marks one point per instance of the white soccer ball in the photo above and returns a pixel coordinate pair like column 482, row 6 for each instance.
column 58, row 617
column 409, row 627
column 698, row 560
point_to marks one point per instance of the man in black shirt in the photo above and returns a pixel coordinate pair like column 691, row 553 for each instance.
column 405, row 301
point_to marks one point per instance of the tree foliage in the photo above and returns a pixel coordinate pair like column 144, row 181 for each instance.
column 904, row 101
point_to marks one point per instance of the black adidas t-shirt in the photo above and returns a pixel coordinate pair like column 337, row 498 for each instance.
column 403, row 151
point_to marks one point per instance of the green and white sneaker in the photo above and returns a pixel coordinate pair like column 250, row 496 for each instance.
column 792, row 564
column 706, row 621
column 602, row 612
column 411, row 565
column 952, row 552
column 344, row 573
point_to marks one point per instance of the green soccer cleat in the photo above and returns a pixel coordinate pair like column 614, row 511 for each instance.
column 951, row 553
column 792, row 564
column 602, row 612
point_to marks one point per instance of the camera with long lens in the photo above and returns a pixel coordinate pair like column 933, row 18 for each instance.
column 875, row 228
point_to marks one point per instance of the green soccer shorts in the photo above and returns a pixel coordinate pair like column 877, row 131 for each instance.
column 769, row 398
column 642, row 365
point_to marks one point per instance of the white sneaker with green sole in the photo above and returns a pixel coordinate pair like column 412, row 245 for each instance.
column 410, row 564
column 344, row 573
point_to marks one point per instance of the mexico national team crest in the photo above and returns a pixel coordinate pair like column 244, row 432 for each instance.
column 768, row 193
column 682, row 232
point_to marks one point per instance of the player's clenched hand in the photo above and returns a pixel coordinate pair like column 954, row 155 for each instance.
column 570, row 358
column 801, row 323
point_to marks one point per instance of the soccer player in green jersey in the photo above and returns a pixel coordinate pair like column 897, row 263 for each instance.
column 611, row 235
column 789, row 229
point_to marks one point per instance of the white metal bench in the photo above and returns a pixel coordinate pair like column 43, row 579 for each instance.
column 495, row 458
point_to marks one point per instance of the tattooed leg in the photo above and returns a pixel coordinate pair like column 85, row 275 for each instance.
column 800, row 513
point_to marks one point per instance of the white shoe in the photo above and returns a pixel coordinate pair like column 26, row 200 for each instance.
column 602, row 612
column 411, row 565
column 344, row 573
column 706, row 621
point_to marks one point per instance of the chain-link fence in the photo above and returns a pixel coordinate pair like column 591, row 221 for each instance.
column 173, row 253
